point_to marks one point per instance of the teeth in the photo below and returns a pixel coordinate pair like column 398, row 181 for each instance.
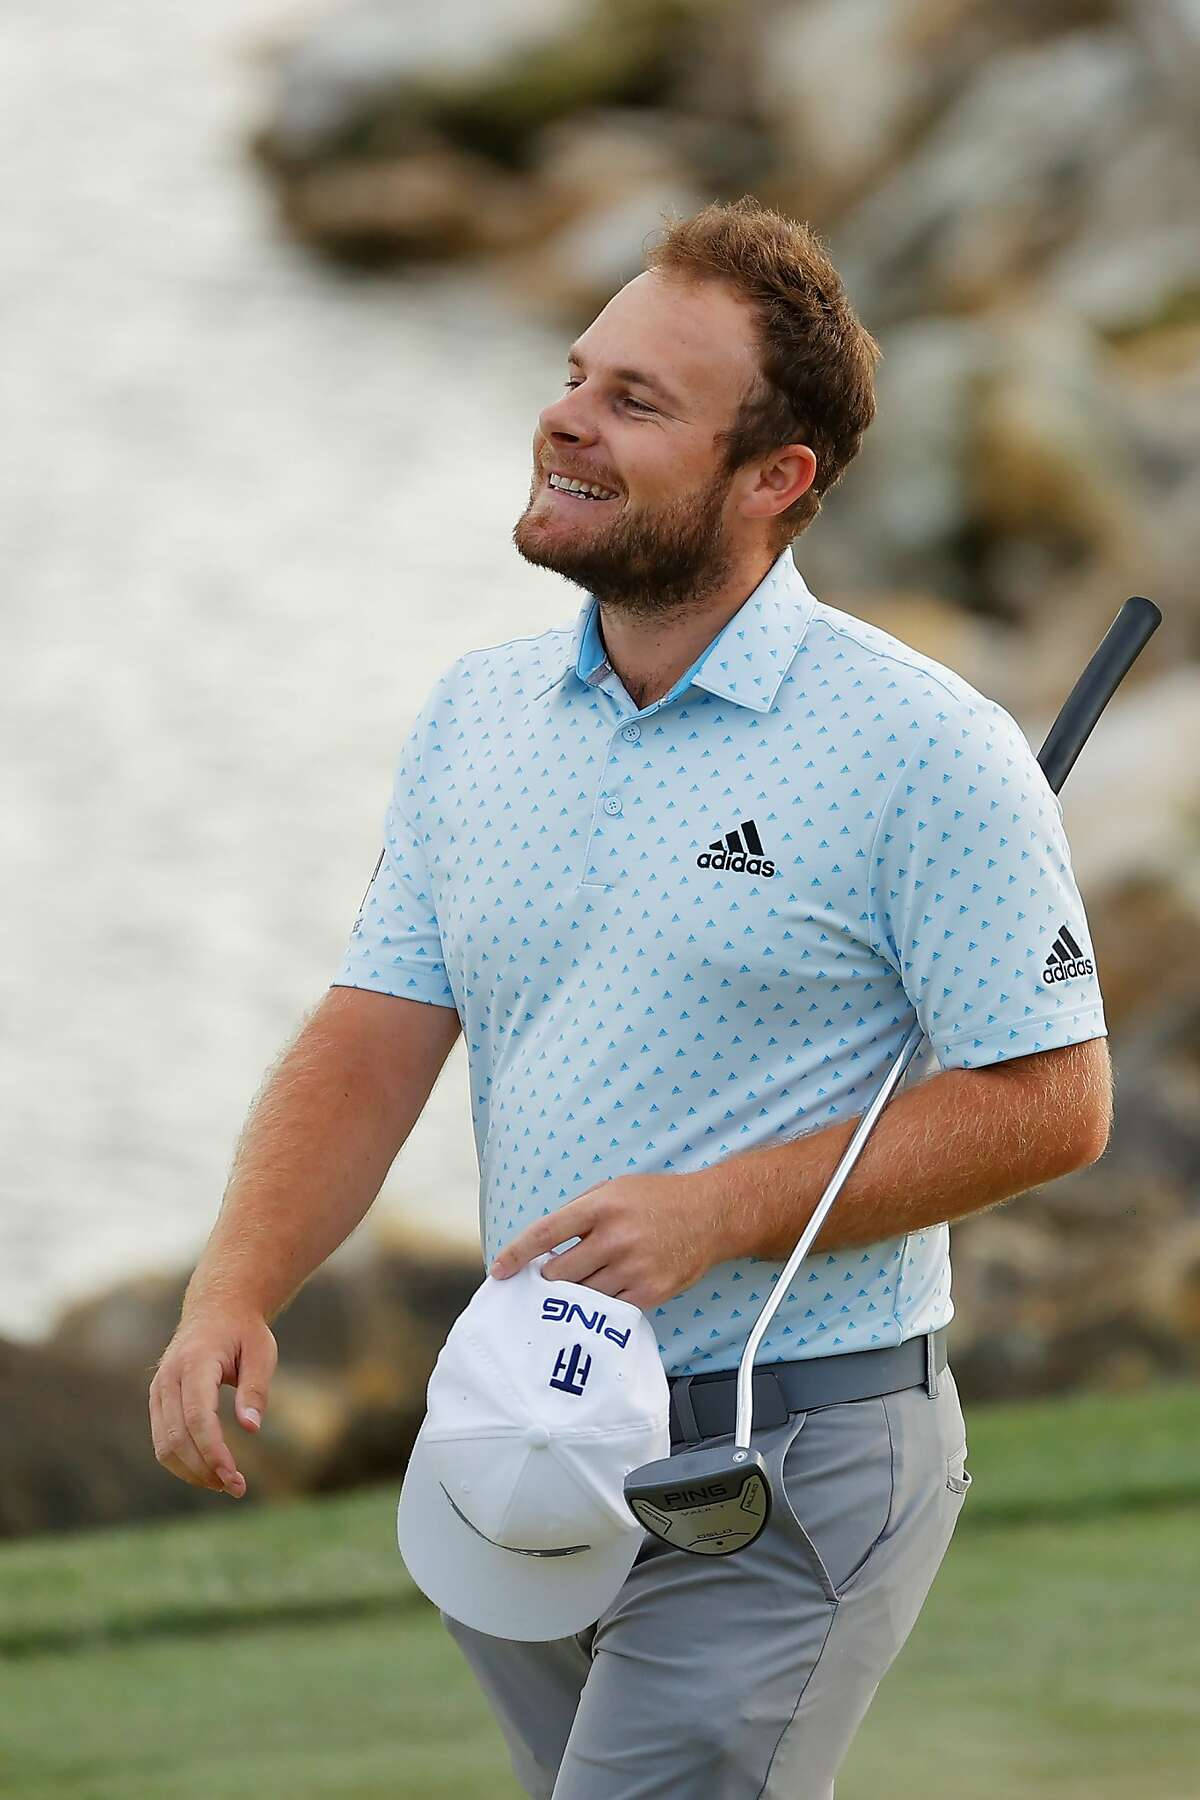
column 589, row 489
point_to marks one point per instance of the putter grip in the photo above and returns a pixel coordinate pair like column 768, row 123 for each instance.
column 1122, row 643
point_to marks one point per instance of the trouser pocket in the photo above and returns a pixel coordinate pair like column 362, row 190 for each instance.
column 834, row 1488
column 957, row 1478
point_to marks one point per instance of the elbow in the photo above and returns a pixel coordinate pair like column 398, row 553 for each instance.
column 1094, row 1119
column 1084, row 1106
column 1074, row 1145
column 1092, row 1139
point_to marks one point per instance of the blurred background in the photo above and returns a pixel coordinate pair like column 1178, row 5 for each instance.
column 272, row 279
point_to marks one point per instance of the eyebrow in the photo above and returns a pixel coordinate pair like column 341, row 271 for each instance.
column 632, row 375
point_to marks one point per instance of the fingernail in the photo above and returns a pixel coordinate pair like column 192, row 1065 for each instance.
column 252, row 1413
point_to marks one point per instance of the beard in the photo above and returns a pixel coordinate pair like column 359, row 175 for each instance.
column 646, row 564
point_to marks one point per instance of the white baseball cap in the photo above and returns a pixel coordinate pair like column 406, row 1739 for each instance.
column 512, row 1518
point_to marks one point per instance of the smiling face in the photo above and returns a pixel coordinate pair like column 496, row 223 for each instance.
column 651, row 381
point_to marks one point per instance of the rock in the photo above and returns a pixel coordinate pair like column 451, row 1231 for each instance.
column 438, row 203
column 1051, row 459
column 373, row 67
column 1130, row 804
column 78, row 1448
column 1094, row 1280
column 1157, row 1081
column 1169, row 31
column 1167, row 1297
column 809, row 59
column 362, row 1427
column 1000, row 1263
column 1177, row 530
column 1131, row 920
column 383, row 143
column 1043, row 1310
column 1135, row 260
column 362, row 85
column 357, row 1345
column 896, row 519
column 998, row 184
column 575, row 273
column 125, row 1328
column 605, row 153
column 715, row 101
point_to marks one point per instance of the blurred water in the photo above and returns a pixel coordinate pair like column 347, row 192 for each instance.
column 248, row 513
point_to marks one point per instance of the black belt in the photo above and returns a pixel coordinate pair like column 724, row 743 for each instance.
column 704, row 1406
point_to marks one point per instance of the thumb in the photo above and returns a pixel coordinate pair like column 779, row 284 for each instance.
column 256, row 1367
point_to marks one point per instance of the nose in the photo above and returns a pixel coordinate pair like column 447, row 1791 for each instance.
column 567, row 420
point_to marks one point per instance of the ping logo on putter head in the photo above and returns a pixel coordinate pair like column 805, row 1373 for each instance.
column 715, row 1512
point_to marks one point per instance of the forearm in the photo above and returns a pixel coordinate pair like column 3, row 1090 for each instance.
column 312, row 1156
column 956, row 1144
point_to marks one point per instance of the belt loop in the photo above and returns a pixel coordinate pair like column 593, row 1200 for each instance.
column 931, row 1370
column 684, row 1411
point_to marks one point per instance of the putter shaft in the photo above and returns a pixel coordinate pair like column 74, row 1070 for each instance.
column 837, row 1180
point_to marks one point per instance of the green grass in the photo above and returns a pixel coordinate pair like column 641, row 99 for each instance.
column 284, row 1651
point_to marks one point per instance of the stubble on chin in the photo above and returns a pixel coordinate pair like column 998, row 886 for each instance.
column 645, row 565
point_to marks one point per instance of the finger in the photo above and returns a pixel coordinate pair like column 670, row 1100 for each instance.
column 572, row 1220
column 169, row 1445
column 256, row 1366
column 578, row 1264
column 605, row 1281
column 201, row 1392
column 181, row 1411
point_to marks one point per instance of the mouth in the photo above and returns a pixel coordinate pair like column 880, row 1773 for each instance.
column 566, row 497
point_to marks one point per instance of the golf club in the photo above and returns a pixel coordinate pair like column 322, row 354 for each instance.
column 715, row 1500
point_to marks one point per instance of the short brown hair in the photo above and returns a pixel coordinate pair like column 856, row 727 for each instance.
column 817, row 360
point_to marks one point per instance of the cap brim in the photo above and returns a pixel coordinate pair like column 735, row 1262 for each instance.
column 500, row 1592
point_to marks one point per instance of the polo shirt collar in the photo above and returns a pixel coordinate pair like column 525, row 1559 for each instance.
column 747, row 660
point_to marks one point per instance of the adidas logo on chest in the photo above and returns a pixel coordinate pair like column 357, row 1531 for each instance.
column 739, row 851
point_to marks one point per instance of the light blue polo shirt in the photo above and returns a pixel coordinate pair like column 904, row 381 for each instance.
column 675, row 934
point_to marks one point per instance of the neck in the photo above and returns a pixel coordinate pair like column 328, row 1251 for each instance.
column 650, row 650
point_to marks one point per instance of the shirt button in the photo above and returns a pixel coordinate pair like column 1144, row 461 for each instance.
column 631, row 733
column 612, row 806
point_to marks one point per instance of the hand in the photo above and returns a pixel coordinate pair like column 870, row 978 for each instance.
column 210, row 1350
column 643, row 1238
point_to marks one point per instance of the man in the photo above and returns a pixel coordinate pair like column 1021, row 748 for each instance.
column 684, row 873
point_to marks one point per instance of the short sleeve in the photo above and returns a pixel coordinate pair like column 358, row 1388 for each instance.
column 974, row 902
column 395, row 945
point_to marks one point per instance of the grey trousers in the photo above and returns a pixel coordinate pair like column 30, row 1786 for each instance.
column 745, row 1677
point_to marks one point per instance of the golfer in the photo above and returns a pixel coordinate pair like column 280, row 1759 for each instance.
column 684, row 872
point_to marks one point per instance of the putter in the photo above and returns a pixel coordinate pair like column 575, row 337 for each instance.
column 716, row 1500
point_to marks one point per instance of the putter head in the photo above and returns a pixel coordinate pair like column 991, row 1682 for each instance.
column 709, row 1502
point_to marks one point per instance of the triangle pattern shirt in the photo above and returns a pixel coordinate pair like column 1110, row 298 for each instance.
column 678, row 933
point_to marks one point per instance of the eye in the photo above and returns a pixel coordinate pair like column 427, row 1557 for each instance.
column 641, row 404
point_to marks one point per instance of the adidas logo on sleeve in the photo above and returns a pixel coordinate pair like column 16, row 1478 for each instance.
column 1065, row 960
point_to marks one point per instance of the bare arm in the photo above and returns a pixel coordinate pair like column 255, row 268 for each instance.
column 320, row 1137
column 955, row 1144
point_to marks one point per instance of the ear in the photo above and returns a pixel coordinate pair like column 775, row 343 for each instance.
column 790, row 473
